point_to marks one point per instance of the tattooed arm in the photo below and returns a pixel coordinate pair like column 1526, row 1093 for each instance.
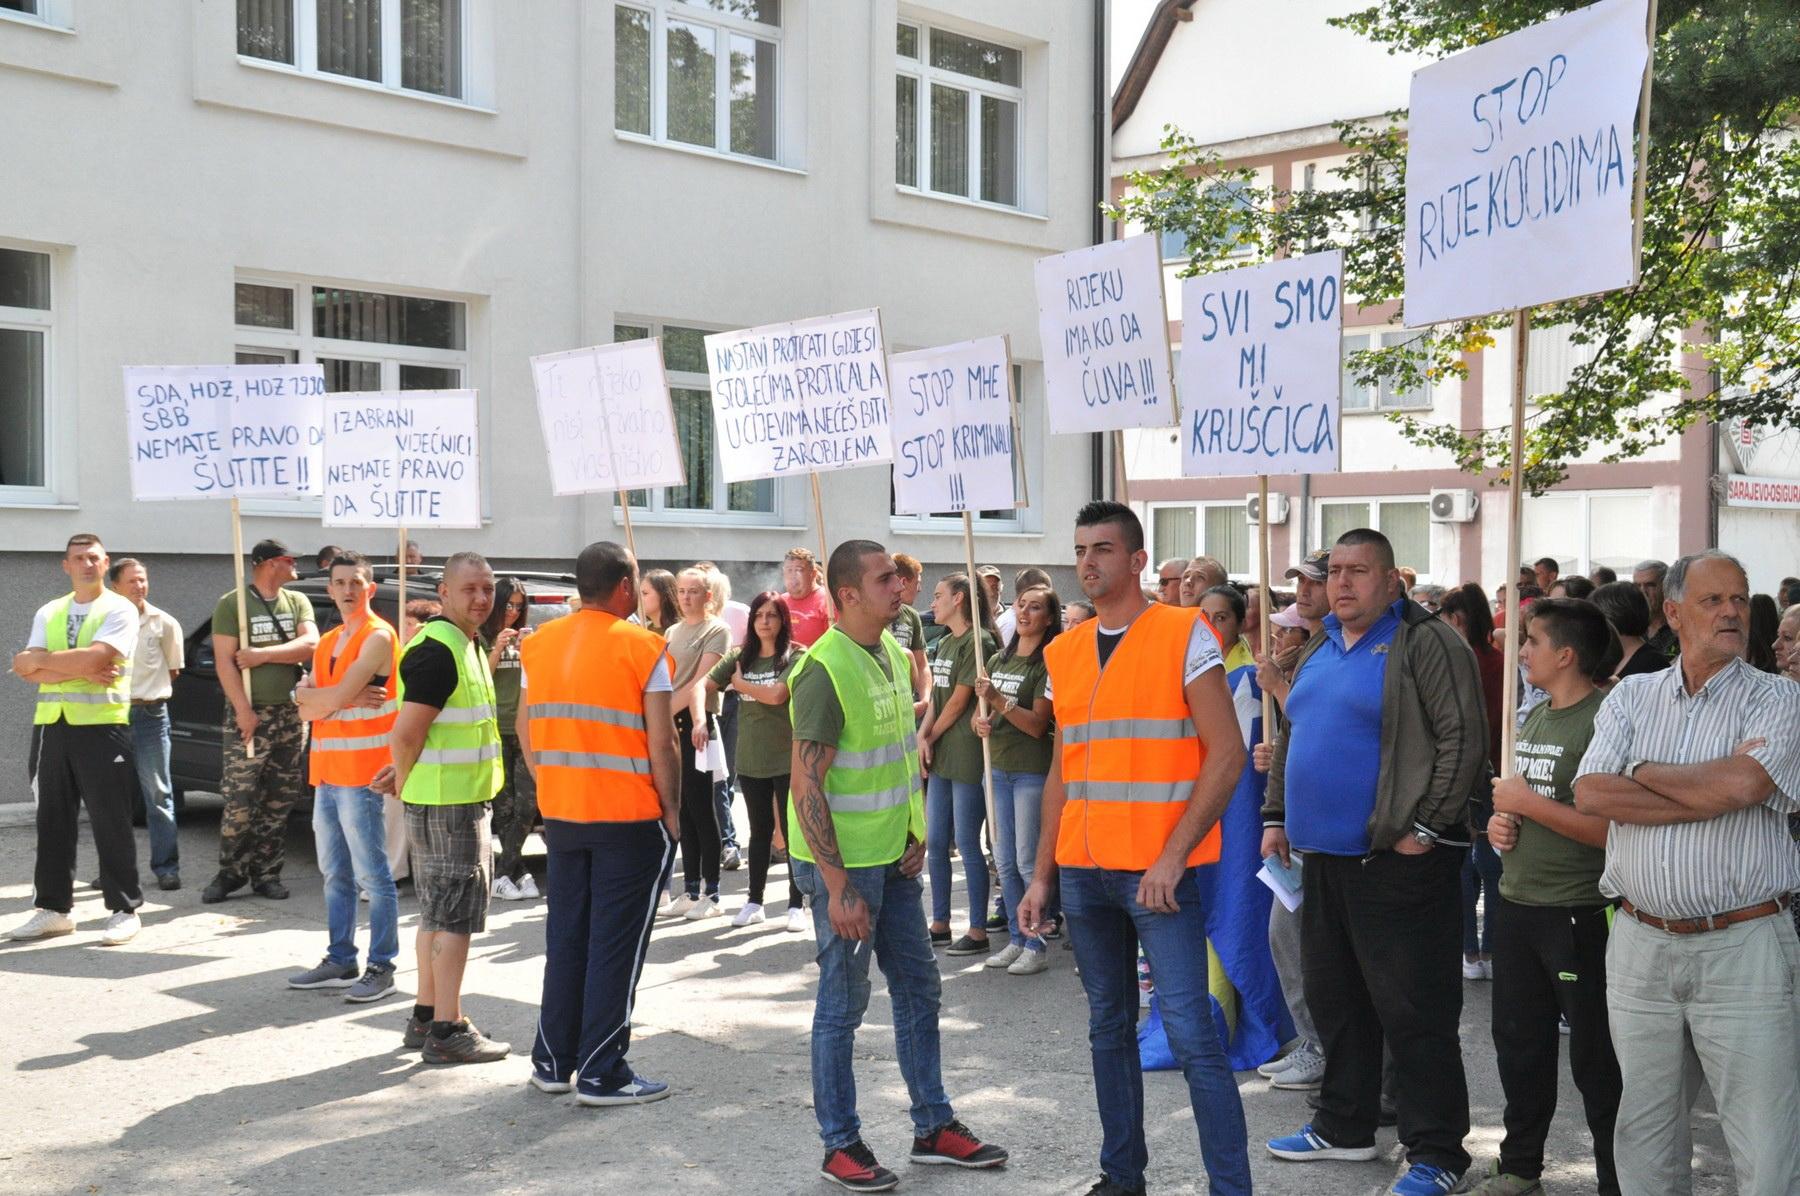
column 849, row 913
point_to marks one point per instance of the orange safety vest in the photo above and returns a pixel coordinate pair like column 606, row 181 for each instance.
column 350, row 746
column 1130, row 756
column 584, row 706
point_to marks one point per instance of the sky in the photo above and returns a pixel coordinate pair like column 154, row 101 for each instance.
column 1128, row 19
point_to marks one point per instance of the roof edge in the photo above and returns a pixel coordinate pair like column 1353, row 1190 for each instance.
column 1157, row 31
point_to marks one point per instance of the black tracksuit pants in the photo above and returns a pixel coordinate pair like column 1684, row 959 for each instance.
column 92, row 766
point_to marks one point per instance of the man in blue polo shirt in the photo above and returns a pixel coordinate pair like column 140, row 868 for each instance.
column 1385, row 739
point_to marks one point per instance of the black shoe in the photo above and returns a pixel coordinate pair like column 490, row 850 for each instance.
column 219, row 888
column 1051, row 935
column 274, row 890
column 416, row 1033
column 169, row 881
column 969, row 946
column 854, row 1167
column 940, row 938
column 1387, row 1116
column 1107, row 1187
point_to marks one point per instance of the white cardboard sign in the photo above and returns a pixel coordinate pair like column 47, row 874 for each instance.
column 214, row 431
column 1105, row 332
column 1261, row 373
column 608, row 424
column 953, row 428
column 1520, row 167
column 409, row 458
column 805, row 397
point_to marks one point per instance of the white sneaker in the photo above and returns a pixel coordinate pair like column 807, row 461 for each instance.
column 706, row 907
column 679, row 907
column 505, row 889
column 750, row 914
column 1273, row 1067
column 1029, row 963
column 528, row 890
column 1472, row 970
column 122, row 927
column 1004, row 957
column 43, row 924
column 797, row 921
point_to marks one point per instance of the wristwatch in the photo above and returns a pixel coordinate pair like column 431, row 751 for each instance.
column 1424, row 838
column 1630, row 772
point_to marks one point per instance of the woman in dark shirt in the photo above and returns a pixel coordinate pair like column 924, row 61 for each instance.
column 1466, row 608
column 1625, row 608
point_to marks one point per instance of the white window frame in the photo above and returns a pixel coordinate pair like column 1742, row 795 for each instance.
column 1016, row 522
column 1584, row 563
column 1380, row 337
column 724, row 25
column 52, row 14
column 1427, row 575
column 1201, row 547
column 925, row 74
column 300, row 345
column 40, row 320
column 306, row 55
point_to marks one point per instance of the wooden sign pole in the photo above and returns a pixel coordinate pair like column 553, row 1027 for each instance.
column 631, row 546
column 987, row 742
column 1515, row 507
column 1262, row 599
column 237, row 565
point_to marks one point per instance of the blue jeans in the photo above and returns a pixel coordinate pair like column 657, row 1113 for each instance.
column 351, row 836
column 1018, row 815
column 901, row 945
column 150, row 752
column 963, row 805
column 1106, row 924
column 1480, row 874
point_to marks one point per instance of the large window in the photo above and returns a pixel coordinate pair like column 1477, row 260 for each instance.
column 49, row 12
column 705, row 497
column 1582, row 529
column 958, row 118
column 1553, row 360
column 699, row 73
column 405, row 45
column 26, row 321
column 1386, row 396
column 1406, row 522
column 1219, row 530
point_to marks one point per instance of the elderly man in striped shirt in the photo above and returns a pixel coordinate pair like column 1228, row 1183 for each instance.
column 1697, row 767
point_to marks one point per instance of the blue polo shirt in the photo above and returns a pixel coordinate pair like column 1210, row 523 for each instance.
column 1334, row 741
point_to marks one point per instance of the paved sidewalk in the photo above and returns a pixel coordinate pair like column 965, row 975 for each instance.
column 180, row 1064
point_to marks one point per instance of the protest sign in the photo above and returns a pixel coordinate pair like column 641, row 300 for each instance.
column 402, row 459
column 1260, row 368
column 222, row 431
column 800, row 398
column 1105, row 334
column 606, row 417
column 953, row 428
column 1520, row 167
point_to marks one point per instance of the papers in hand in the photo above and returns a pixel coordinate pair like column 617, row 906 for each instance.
column 711, row 759
column 1283, row 880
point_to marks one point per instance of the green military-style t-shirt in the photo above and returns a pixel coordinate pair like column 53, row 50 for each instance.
column 956, row 754
column 272, row 623
column 908, row 630
column 817, row 714
column 1545, row 868
column 506, row 685
column 1022, row 679
column 764, row 736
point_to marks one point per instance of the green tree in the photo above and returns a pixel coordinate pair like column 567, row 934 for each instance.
column 1721, row 247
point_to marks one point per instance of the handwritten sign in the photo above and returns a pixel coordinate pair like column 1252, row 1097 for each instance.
column 607, row 420
column 1260, row 368
column 953, row 428
column 408, row 458
column 1520, row 167
column 806, row 397
column 1105, row 333
column 213, row 431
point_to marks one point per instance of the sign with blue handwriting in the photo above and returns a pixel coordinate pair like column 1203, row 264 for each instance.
column 799, row 398
column 1105, row 331
column 218, row 431
column 1260, row 368
column 953, row 428
column 409, row 458
column 1520, row 167
column 607, row 420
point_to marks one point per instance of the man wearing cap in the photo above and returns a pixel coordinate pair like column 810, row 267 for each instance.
column 264, row 736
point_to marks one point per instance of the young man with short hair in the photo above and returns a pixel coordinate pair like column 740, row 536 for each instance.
column 908, row 629
column 159, row 658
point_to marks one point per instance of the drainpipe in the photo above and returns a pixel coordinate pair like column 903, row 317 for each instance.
column 1097, row 455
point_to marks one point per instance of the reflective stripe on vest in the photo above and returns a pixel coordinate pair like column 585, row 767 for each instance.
column 1130, row 728
column 350, row 746
column 460, row 762
column 351, row 743
column 82, row 703
column 474, row 755
column 468, row 714
column 596, row 761
column 357, row 714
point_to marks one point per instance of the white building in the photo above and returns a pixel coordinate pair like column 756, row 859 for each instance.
column 1261, row 85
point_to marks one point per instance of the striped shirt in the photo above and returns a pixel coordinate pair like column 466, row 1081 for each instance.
column 1694, row 869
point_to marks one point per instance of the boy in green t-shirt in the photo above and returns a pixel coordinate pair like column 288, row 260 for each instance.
column 1550, row 932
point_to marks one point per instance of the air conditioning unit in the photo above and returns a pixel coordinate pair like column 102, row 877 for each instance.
column 1278, row 508
column 1454, row 506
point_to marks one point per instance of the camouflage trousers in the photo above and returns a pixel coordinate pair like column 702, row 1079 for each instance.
column 259, row 792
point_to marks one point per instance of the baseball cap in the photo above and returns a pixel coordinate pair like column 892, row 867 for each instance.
column 1312, row 567
column 1287, row 616
column 268, row 550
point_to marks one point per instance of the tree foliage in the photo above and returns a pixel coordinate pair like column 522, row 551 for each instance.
column 1720, row 271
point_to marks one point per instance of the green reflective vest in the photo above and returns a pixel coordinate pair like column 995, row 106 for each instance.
column 873, row 785
column 460, row 762
column 83, row 703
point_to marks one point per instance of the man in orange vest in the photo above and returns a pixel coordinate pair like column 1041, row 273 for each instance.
column 595, row 728
column 1147, row 755
column 350, row 700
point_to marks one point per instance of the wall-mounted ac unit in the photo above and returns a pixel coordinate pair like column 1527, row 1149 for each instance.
column 1454, row 506
column 1278, row 508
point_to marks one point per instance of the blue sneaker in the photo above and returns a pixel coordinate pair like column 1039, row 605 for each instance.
column 1422, row 1179
column 1306, row 1146
column 638, row 1092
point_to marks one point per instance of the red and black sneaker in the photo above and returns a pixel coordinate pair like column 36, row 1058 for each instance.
column 854, row 1167
column 955, row 1145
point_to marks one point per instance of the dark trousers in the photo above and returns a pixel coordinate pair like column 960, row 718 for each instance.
column 515, row 811
column 1379, row 946
column 766, row 799
column 71, row 767
column 728, row 729
column 604, row 880
column 699, row 820
column 1551, row 960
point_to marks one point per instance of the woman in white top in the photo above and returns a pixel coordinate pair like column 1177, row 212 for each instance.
column 696, row 644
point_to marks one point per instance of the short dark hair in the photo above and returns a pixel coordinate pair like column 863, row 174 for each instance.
column 845, row 569
column 82, row 540
column 1131, row 529
column 1576, row 586
column 1624, row 607
column 1028, row 577
column 1233, row 596
column 1580, row 626
column 601, row 568
column 326, row 557
column 1547, row 562
column 351, row 559
column 123, row 563
column 1602, row 575
column 1356, row 537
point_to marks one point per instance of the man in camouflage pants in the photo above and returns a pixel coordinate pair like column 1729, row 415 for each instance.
column 264, row 770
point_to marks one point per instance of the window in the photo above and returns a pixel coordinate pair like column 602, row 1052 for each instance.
column 1228, row 538
column 45, row 12
column 957, row 115
column 1553, row 360
column 1006, row 520
column 404, row 45
column 1362, row 397
column 699, row 73
column 705, row 497
column 1174, row 534
column 1185, row 531
column 1582, row 529
column 1405, row 522
column 26, row 319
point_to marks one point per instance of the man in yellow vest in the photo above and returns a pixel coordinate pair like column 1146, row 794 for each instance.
column 596, row 730
column 351, row 699
column 856, row 825
column 79, row 657
column 446, row 768
column 1147, row 755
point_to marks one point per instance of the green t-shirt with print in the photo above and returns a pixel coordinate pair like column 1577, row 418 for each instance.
column 272, row 623
column 1545, row 868
column 764, row 735
column 956, row 754
column 817, row 713
column 908, row 630
column 1022, row 679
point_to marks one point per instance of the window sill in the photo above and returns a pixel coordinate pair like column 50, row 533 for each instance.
column 424, row 97
column 963, row 201
column 32, row 21
column 1365, row 411
column 707, row 519
column 22, row 500
column 700, row 151
column 901, row 525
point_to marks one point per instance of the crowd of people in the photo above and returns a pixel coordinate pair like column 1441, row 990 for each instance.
column 1627, row 883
